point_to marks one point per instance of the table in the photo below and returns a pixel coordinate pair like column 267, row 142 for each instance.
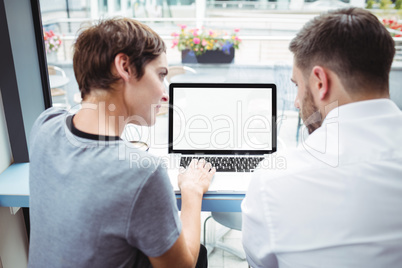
column 14, row 181
column 14, row 186
column 198, row 78
column 14, row 192
column 58, row 81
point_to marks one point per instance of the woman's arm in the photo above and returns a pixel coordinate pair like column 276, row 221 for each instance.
column 193, row 183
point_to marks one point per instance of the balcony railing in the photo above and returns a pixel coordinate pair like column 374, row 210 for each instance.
column 265, row 40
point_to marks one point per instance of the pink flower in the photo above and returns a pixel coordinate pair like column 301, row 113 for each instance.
column 183, row 26
column 211, row 33
column 174, row 43
column 236, row 30
column 204, row 42
column 237, row 38
column 195, row 33
column 196, row 40
column 175, row 34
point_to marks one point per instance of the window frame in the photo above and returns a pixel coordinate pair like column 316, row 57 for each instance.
column 16, row 117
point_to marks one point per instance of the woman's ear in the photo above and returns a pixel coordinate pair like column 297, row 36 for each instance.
column 122, row 66
column 321, row 81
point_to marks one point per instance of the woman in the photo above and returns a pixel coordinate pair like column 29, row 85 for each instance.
column 91, row 206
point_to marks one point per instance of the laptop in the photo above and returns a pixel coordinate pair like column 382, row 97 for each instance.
column 232, row 126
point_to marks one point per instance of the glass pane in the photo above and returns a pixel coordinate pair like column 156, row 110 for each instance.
column 253, row 37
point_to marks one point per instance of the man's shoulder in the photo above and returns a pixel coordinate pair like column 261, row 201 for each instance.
column 287, row 163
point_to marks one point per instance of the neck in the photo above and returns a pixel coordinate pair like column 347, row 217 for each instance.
column 342, row 97
column 101, row 115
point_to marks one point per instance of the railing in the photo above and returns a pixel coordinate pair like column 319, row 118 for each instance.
column 270, row 22
column 253, row 50
column 398, row 48
column 244, row 4
column 268, row 47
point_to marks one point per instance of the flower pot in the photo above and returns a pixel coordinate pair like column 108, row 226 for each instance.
column 210, row 56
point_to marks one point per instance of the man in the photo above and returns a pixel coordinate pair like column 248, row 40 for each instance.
column 338, row 201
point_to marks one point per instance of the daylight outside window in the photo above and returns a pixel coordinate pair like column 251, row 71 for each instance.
column 253, row 36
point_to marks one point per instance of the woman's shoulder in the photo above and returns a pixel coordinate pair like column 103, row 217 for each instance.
column 140, row 162
column 49, row 115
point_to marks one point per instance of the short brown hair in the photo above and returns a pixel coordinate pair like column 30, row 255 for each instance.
column 352, row 43
column 97, row 46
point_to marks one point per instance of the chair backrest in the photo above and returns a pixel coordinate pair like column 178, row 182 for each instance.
column 395, row 86
column 132, row 133
column 59, row 96
column 177, row 70
column 232, row 220
column 54, row 70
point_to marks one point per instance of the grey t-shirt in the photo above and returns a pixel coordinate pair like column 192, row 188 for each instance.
column 94, row 200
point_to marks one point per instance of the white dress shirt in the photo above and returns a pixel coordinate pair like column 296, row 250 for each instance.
column 338, row 200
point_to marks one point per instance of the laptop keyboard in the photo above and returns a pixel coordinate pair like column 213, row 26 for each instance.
column 227, row 164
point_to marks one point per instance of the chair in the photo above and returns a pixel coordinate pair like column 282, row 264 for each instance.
column 58, row 79
column 395, row 86
column 286, row 92
column 177, row 70
column 230, row 220
column 138, row 136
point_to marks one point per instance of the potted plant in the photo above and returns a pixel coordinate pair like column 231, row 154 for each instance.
column 206, row 46
column 394, row 28
column 52, row 44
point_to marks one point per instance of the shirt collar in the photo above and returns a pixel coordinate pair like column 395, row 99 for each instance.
column 362, row 109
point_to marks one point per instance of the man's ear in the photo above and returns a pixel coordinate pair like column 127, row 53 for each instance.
column 122, row 66
column 321, row 81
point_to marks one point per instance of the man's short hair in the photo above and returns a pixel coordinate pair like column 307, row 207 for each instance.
column 97, row 46
column 350, row 42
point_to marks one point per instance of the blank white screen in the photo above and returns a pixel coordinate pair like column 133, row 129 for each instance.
column 222, row 119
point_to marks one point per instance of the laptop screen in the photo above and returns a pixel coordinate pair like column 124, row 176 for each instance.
column 222, row 118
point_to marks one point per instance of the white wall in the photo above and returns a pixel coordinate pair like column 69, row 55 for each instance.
column 13, row 238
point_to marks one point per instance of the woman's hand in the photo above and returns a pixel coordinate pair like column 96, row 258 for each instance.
column 197, row 177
